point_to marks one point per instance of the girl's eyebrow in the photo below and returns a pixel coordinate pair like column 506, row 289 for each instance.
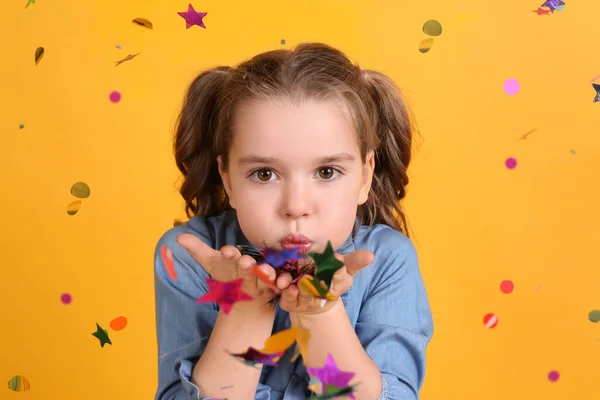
column 256, row 159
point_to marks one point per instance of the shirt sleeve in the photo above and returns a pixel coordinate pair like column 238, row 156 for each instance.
column 183, row 326
column 395, row 323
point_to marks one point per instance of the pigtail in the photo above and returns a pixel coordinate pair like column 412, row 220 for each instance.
column 392, row 156
column 194, row 145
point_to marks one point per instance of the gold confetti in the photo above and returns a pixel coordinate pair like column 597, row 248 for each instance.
column 80, row 190
column 143, row 22
column 425, row 45
column 18, row 384
column 74, row 207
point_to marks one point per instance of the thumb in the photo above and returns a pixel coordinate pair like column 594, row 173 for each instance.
column 357, row 260
column 204, row 255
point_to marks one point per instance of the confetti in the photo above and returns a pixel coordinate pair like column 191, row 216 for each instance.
column 226, row 294
column 282, row 41
column 538, row 288
column 281, row 341
column 309, row 286
column 573, row 151
column 29, row 2
column 129, row 57
column 335, row 393
column 118, row 47
column 597, row 89
column 511, row 87
column 253, row 357
column 167, row 258
column 596, row 77
column 524, row 136
column 65, row 298
column 541, row 11
column 594, row 316
column 330, row 375
column 507, row 286
column 21, row 126
column 39, row 53
column 553, row 4
column 19, row 383
column 102, row 335
column 553, row 376
column 143, row 22
column 192, row 17
column 118, row 324
column 115, row 96
column 490, row 320
column 327, row 265
column 425, row 45
column 511, row 163
column 276, row 258
column 432, row 28
column 73, row 207
column 80, row 190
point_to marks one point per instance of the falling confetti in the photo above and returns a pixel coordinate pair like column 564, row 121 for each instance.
column 282, row 41
column 192, row 17
column 507, row 286
column 167, row 258
column 39, row 53
column 553, row 4
column 118, row 324
column 573, row 151
column 19, row 383
column 65, row 298
column 102, row 335
column 596, row 77
column 253, row 357
column 143, row 22
column 115, row 96
column 511, row 163
column 511, row 87
column 29, row 2
column 524, row 136
column 541, row 11
column 597, row 89
column 490, row 320
column 432, row 28
column 553, row 376
column 118, row 47
column 329, row 376
column 74, row 207
column 538, row 288
column 21, row 126
column 594, row 316
column 129, row 57
column 425, row 45
column 80, row 190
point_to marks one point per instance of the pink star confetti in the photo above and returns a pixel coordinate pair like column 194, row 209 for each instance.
column 226, row 294
column 192, row 17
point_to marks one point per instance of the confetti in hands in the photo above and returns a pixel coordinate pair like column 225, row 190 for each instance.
column 226, row 294
column 276, row 345
column 329, row 381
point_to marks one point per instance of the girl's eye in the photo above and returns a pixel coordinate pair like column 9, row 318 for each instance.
column 326, row 173
column 264, row 175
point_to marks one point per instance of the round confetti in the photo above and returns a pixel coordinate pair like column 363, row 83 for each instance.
column 118, row 323
column 490, row 320
column 594, row 316
column 19, row 384
column 65, row 298
column 507, row 286
column 425, row 45
column 115, row 96
column 511, row 86
column 74, row 207
column 511, row 163
column 80, row 190
column 553, row 376
column 432, row 28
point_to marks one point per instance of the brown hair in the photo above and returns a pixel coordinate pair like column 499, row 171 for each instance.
column 310, row 71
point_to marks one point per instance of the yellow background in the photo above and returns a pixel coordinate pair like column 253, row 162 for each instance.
column 475, row 222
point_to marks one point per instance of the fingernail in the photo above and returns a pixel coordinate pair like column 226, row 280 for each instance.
column 323, row 302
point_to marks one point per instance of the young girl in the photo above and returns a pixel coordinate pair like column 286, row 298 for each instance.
column 292, row 148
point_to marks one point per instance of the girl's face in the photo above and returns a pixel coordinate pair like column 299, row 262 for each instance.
column 295, row 169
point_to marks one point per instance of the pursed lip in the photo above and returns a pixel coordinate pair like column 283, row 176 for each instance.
column 296, row 240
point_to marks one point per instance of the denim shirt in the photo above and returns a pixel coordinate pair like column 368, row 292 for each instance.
column 387, row 306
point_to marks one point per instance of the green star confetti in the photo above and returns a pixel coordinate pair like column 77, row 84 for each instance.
column 102, row 335
column 327, row 265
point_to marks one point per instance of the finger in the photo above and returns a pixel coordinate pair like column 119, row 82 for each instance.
column 284, row 280
column 245, row 264
column 357, row 260
column 289, row 298
column 230, row 252
column 205, row 255
column 266, row 275
column 341, row 282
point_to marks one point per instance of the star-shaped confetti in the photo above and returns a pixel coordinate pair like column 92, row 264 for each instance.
column 553, row 4
column 597, row 89
column 253, row 357
column 226, row 294
column 276, row 258
column 129, row 57
column 102, row 335
column 327, row 265
column 281, row 341
column 192, row 17
column 330, row 375
column 29, row 2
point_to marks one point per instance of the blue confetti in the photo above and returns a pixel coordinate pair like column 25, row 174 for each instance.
column 282, row 41
column 276, row 258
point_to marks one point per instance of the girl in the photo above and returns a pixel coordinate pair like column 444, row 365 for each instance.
column 292, row 149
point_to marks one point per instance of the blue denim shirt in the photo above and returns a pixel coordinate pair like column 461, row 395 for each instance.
column 387, row 306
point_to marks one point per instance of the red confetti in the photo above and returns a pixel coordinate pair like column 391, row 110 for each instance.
column 167, row 259
column 507, row 286
column 490, row 320
column 226, row 294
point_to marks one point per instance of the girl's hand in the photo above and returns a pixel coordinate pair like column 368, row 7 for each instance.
column 229, row 264
column 294, row 301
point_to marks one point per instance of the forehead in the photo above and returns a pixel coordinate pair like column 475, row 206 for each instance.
column 297, row 131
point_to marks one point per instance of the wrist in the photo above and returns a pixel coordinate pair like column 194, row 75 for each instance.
column 305, row 320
